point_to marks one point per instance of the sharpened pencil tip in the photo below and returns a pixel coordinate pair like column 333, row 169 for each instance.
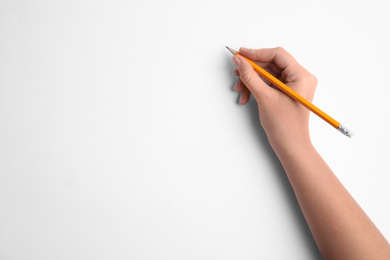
column 231, row 50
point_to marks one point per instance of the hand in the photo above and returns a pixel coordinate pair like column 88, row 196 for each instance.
column 285, row 121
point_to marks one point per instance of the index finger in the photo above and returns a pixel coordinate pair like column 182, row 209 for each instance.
column 277, row 59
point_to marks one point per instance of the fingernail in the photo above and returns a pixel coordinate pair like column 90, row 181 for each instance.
column 236, row 61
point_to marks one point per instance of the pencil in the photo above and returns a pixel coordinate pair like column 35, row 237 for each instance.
column 283, row 87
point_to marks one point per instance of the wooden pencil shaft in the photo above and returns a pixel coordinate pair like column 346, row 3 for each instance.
column 286, row 89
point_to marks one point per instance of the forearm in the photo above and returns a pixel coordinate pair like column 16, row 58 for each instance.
column 340, row 227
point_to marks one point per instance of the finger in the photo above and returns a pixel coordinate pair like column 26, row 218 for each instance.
column 239, row 86
column 282, row 60
column 272, row 67
column 273, row 73
column 238, row 89
column 250, row 78
column 245, row 96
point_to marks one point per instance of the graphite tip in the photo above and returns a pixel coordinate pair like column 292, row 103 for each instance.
column 231, row 50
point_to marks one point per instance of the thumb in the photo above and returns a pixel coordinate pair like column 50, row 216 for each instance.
column 250, row 78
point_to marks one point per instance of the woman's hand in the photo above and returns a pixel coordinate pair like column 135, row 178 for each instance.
column 340, row 227
column 285, row 121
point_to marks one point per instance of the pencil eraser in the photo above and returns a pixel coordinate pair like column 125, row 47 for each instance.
column 345, row 131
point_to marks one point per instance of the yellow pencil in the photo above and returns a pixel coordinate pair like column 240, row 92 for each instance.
column 283, row 87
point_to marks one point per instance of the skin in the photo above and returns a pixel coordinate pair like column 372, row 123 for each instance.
column 339, row 226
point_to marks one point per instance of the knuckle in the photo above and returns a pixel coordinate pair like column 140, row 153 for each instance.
column 310, row 80
column 280, row 49
column 314, row 79
column 290, row 77
column 245, row 77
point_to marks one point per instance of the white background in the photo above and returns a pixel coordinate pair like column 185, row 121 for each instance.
column 121, row 136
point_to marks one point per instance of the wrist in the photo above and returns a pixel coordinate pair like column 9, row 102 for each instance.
column 286, row 148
